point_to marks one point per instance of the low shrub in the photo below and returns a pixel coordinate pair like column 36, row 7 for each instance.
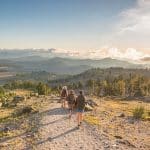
column 24, row 110
column 138, row 112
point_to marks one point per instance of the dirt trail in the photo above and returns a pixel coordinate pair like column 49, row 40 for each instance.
column 53, row 130
column 57, row 132
column 60, row 133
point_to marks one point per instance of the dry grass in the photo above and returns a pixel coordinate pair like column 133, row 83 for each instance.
column 108, row 119
column 21, row 92
column 115, row 106
column 20, row 125
column 92, row 119
column 4, row 112
column 105, row 117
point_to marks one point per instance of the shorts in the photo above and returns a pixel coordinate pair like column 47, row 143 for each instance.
column 80, row 110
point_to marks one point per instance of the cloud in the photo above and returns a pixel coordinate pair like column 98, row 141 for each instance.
column 62, row 52
column 136, row 19
column 129, row 54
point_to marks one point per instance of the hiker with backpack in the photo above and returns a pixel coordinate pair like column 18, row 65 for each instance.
column 64, row 94
column 80, row 104
column 71, row 99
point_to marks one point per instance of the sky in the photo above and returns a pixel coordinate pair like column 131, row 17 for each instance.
column 82, row 28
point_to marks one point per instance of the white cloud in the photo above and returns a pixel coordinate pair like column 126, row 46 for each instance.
column 129, row 54
column 136, row 20
column 59, row 52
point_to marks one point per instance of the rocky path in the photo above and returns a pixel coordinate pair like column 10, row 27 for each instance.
column 57, row 132
column 51, row 129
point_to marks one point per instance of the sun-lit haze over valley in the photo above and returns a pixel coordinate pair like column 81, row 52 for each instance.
column 74, row 74
column 92, row 29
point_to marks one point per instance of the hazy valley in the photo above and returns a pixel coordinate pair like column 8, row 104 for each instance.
column 31, row 117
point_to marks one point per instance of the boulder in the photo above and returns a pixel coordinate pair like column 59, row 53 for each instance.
column 118, row 137
column 24, row 110
column 6, row 129
column 17, row 99
column 88, row 107
column 125, row 142
column 91, row 103
column 121, row 115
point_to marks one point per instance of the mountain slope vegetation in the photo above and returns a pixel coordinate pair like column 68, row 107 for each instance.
column 62, row 65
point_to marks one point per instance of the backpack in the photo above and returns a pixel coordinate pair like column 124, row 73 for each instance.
column 80, row 102
column 71, row 99
column 63, row 93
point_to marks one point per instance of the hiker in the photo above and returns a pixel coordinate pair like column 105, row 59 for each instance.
column 80, row 104
column 64, row 94
column 71, row 99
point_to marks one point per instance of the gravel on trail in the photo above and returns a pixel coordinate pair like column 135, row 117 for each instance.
column 58, row 132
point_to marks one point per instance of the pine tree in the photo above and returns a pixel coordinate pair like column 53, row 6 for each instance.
column 42, row 89
column 80, row 85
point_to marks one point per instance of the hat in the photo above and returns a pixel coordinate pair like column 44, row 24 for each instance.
column 64, row 88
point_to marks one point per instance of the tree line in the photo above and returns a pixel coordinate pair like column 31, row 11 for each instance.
column 39, row 87
column 132, row 86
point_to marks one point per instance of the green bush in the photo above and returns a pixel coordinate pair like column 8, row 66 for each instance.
column 138, row 112
column 43, row 89
column 22, row 111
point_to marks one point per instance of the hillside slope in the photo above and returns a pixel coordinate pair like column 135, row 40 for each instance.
column 62, row 65
column 101, row 74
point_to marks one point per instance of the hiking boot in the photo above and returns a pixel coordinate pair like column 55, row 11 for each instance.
column 78, row 127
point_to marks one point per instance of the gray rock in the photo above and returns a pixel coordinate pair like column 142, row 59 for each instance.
column 121, row 115
column 126, row 142
column 118, row 137
column 6, row 129
column 17, row 99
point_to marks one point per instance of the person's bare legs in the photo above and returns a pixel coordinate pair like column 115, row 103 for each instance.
column 64, row 103
column 71, row 111
column 81, row 117
column 78, row 118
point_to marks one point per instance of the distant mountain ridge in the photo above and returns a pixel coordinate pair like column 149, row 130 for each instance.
column 52, row 52
column 62, row 65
